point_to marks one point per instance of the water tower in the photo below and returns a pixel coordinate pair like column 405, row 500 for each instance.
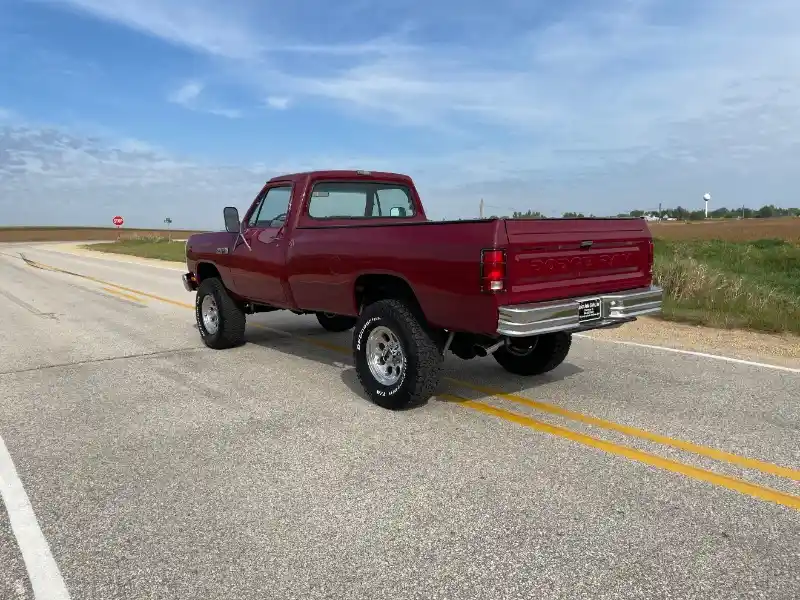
column 707, row 197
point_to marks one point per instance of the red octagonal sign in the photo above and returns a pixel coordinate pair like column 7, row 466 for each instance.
column 118, row 221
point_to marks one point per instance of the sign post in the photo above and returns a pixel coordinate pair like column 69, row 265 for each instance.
column 168, row 221
column 118, row 221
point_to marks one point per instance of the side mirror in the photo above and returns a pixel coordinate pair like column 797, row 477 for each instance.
column 231, row 215
column 397, row 211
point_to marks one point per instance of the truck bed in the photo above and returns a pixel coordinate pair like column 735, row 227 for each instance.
column 547, row 259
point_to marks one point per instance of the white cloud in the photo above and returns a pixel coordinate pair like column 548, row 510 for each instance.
column 66, row 179
column 188, row 96
column 187, row 93
column 200, row 25
column 278, row 102
column 228, row 113
column 605, row 79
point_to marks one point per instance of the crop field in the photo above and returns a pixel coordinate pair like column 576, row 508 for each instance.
column 730, row 230
column 81, row 234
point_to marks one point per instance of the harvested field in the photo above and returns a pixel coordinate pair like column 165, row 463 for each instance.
column 730, row 230
column 83, row 234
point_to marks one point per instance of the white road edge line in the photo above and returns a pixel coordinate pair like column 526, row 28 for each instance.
column 693, row 353
column 43, row 572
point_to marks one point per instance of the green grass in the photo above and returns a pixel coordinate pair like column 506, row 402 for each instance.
column 146, row 247
column 751, row 285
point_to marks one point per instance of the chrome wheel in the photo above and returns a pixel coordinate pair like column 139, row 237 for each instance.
column 210, row 314
column 385, row 356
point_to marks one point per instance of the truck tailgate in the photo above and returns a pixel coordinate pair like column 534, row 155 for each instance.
column 550, row 259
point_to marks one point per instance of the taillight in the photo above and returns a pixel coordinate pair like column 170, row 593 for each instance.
column 493, row 270
column 650, row 255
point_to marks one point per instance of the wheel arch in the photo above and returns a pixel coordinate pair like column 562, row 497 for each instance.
column 371, row 287
column 206, row 269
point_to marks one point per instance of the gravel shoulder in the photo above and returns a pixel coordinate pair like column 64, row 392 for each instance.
column 776, row 349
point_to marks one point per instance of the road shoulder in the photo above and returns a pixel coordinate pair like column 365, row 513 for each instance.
column 778, row 349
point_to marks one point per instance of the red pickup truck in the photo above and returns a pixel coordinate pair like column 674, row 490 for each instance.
column 356, row 249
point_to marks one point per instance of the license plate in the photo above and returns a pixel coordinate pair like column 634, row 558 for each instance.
column 589, row 310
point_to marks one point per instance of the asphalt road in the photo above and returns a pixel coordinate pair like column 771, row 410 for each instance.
column 153, row 467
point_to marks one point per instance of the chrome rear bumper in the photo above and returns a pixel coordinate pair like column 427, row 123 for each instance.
column 524, row 320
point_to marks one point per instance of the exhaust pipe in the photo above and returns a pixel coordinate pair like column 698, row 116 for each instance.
column 486, row 351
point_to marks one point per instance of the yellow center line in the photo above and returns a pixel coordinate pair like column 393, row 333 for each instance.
column 721, row 455
column 45, row 267
column 739, row 485
column 732, row 483
column 714, row 453
column 130, row 297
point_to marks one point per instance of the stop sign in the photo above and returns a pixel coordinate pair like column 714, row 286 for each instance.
column 118, row 221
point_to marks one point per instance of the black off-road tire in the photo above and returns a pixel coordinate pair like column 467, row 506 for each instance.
column 336, row 323
column 423, row 357
column 232, row 319
column 550, row 351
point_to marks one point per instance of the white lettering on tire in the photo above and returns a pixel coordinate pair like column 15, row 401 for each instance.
column 363, row 329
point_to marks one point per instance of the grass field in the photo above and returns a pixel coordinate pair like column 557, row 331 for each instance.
column 146, row 247
column 749, row 285
column 82, row 234
column 733, row 274
column 730, row 272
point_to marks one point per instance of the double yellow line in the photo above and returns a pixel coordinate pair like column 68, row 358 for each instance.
column 123, row 295
column 732, row 483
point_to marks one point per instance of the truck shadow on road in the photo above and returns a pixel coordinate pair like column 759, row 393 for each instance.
column 307, row 343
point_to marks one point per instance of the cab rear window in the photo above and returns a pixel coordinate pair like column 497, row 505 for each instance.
column 359, row 200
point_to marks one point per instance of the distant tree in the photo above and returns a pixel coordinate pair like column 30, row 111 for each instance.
column 683, row 214
column 766, row 212
column 721, row 213
column 528, row 214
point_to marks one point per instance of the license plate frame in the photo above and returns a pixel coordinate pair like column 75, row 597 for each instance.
column 590, row 309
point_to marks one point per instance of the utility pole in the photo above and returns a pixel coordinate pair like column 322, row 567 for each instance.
column 481, row 209
column 659, row 211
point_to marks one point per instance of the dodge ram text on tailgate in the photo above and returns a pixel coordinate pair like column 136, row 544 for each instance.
column 356, row 249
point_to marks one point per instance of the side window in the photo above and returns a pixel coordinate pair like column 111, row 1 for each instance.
column 394, row 202
column 359, row 200
column 272, row 208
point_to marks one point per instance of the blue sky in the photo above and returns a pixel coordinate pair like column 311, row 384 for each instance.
column 155, row 108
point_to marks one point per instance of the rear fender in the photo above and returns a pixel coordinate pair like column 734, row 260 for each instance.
column 377, row 285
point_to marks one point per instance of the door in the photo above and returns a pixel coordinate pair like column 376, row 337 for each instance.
column 259, row 269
